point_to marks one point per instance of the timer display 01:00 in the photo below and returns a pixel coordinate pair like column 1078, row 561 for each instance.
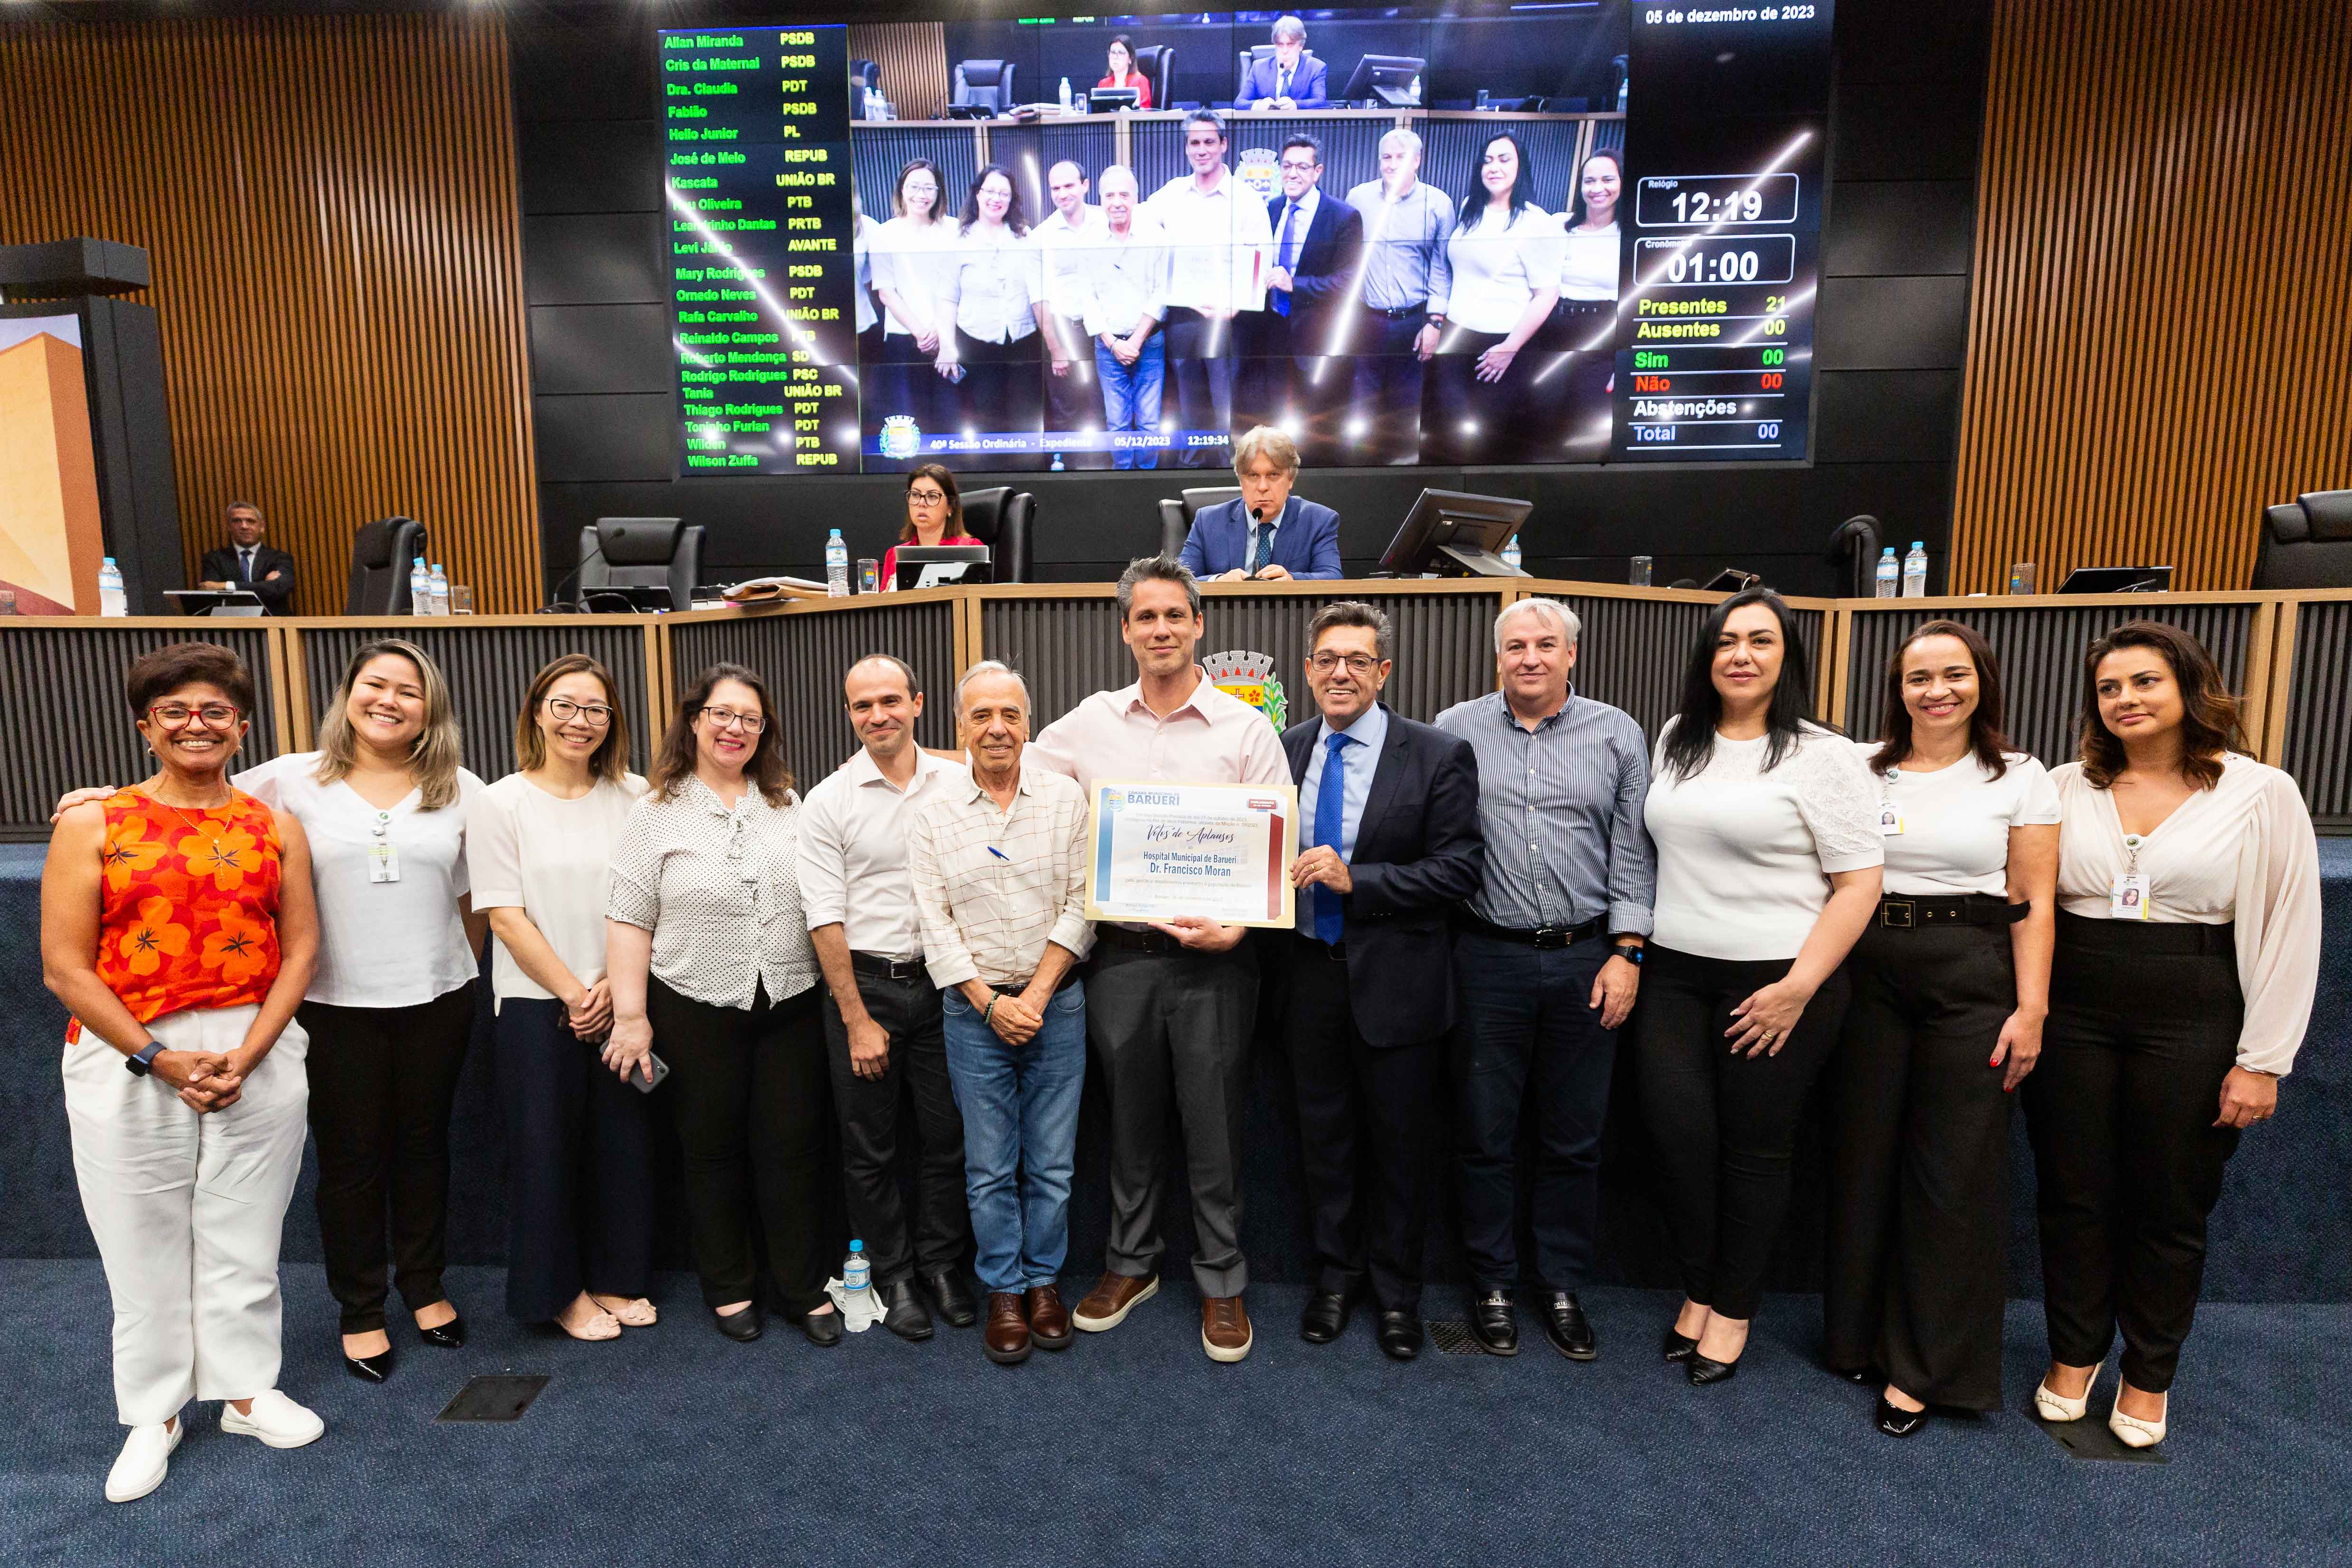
column 1714, row 260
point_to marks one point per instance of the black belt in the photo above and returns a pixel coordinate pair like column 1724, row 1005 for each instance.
column 1399, row 312
column 1069, row 978
column 1136, row 941
column 1541, row 936
column 1898, row 913
column 881, row 968
column 1337, row 951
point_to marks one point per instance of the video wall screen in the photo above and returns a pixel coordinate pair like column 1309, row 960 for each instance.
column 1559, row 231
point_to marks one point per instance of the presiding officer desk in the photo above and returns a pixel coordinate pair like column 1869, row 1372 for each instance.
column 2286, row 1217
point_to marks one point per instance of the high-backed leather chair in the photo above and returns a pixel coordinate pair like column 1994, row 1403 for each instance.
column 1176, row 515
column 1156, row 63
column 2306, row 542
column 381, row 553
column 986, row 84
column 1003, row 519
column 642, row 552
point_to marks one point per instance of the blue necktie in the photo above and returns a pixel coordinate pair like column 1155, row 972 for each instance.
column 1330, row 816
column 1286, row 258
column 1261, row 550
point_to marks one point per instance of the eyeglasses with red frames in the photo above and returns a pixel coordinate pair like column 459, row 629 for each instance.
column 211, row 715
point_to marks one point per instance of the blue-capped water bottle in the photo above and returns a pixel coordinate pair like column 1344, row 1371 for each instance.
column 112, row 599
column 1890, row 572
column 836, row 567
column 1915, row 571
column 856, row 1269
column 1511, row 553
column 420, row 588
column 436, row 584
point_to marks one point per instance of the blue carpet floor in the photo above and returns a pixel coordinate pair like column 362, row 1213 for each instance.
column 674, row 1448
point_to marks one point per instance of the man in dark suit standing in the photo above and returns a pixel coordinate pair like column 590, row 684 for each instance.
column 1390, row 842
column 1318, row 249
column 247, row 563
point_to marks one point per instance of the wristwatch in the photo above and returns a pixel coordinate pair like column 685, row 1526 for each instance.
column 143, row 1061
column 1630, row 952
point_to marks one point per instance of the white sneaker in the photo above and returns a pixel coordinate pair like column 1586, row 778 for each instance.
column 146, row 1455
column 276, row 1420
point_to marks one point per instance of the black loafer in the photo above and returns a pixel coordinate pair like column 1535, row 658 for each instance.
column 1496, row 1324
column 1896, row 1422
column 955, row 1303
column 742, row 1325
column 1864, row 1376
column 1568, row 1329
column 822, row 1328
column 1704, row 1371
column 1678, row 1346
column 902, row 1310
column 369, row 1368
column 449, row 1336
column 1325, row 1319
column 1400, row 1335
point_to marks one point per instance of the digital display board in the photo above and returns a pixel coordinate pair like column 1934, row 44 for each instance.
column 1573, row 231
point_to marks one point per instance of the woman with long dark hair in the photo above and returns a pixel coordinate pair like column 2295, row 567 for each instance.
column 1121, row 56
column 1506, row 254
column 1584, row 322
column 1951, row 984
column 1768, row 855
column 2187, row 953
column 934, row 516
column 906, row 259
column 711, row 968
column 994, row 293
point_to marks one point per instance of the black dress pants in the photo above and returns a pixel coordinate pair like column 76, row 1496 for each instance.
column 2121, row 1114
column 748, row 1088
column 382, row 1082
column 1364, row 1126
column 1203, row 362
column 912, row 1096
column 1387, row 386
column 1003, row 392
column 1918, row 1206
column 1726, row 1125
column 580, row 1166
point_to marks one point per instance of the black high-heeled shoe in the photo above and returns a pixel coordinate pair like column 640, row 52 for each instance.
column 1704, row 1369
column 1896, row 1421
column 374, row 1368
column 449, row 1336
column 1677, row 1345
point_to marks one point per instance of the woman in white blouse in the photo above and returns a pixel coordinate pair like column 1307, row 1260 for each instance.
column 713, row 976
column 1584, row 322
column 1768, row 853
column 2187, row 954
column 1951, row 983
column 994, row 291
column 579, row 1137
column 1506, row 254
column 905, row 257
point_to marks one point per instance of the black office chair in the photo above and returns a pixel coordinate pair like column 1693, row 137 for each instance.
column 983, row 84
column 642, row 552
column 1156, row 63
column 1003, row 519
column 1176, row 516
column 381, row 553
column 2306, row 542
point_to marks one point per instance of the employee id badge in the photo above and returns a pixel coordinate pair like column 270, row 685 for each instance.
column 383, row 863
column 1890, row 821
column 2128, row 899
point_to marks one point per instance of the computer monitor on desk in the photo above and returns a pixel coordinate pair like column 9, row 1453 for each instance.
column 214, row 601
column 932, row 566
column 1451, row 533
column 1110, row 100
column 1391, row 80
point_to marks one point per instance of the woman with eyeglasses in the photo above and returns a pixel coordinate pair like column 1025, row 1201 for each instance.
column 580, row 1136
column 906, row 255
column 934, row 516
column 713, row 973
column 177, row 926
column 994, row 318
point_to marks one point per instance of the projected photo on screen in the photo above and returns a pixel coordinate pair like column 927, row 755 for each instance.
column 1453, row 235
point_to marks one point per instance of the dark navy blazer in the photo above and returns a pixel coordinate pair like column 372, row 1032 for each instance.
column 1305, row 542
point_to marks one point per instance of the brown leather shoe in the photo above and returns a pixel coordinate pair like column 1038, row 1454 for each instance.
column 1006, row 1337
column 1114, row 1296
column 1049, row 1320
column 1224, row 1328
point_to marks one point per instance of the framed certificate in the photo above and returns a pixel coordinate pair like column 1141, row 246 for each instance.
column 1222, row 852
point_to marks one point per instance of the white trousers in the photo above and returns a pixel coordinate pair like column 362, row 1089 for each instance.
column 188, row 1211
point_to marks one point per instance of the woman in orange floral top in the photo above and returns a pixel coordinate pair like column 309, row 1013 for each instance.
column 177, row 926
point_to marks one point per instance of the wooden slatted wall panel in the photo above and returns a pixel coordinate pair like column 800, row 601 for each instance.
column 914, row 60
column 330, row 207
column 2161, row 328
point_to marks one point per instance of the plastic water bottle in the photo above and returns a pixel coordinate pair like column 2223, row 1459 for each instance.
column 856, row 1269
column 420, row 588
column 1511, row 553
column 1889, row 572
column 836, row 567
column 112, row 599
column 1915, row 571
column 438, row 584
column 1065, row 95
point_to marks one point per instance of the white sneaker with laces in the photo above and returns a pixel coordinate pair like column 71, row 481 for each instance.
column 276, row 1420
column 146, row 1455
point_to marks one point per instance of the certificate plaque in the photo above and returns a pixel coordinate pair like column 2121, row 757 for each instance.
column 1222, row 852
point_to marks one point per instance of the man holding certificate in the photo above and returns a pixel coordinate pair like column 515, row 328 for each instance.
column 1394, row 843
column 1172, row 999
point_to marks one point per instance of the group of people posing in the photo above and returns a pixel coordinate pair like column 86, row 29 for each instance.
column 1393, row 323
column 1927, row 922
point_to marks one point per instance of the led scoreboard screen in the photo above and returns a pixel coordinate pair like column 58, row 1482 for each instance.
column 1469, row 232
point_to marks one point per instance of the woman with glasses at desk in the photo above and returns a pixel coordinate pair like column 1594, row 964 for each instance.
column 934, row 516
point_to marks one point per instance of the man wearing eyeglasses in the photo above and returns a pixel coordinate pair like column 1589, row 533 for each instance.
column 1389, row 842
column 246, row 563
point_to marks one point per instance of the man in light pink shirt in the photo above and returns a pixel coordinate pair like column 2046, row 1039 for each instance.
column 1169, row 1007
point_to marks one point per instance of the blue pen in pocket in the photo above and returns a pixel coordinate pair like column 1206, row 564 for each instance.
column 1000, row 854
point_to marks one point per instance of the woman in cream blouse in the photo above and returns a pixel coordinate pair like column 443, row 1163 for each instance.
column 2182, row 858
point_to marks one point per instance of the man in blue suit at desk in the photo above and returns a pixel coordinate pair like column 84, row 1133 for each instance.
column 1268, row 533
column 1287, row 79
